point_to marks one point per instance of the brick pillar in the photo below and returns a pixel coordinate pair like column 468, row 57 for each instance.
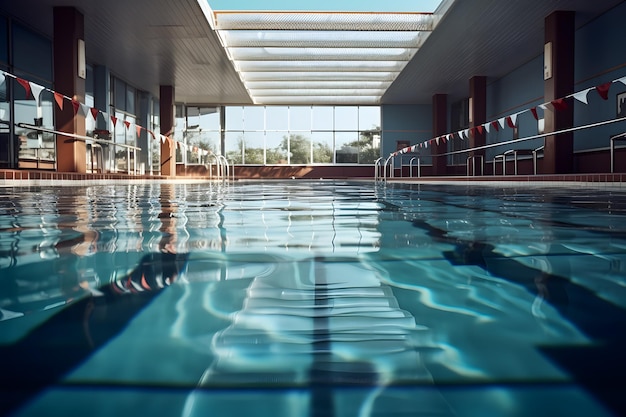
column 440, row 127
column 69, row 28
column 558, row 83
column 168, row 149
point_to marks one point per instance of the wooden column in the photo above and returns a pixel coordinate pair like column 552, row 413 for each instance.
column 440, row 127
column 558, row 83
column 168, row 148
column 69, row 79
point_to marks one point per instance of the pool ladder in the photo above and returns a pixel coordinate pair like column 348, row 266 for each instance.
column 223, row 170
column 378, row 176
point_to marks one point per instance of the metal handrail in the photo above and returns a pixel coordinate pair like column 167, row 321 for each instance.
column 614, row 138
column 385, row 170
column 419, row 174
column 473, row 158
column 377, row 164
column 535, row 152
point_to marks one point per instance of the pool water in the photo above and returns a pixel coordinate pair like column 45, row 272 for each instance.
column 312, row 298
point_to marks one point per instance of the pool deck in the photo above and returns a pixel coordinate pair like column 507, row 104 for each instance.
column 18, row 178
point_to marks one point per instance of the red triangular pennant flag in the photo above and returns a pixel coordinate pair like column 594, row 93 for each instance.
column 559, row 104
column 59, row 99
column 138, row 130
column 534, row 112
column 495, row 125
column 94, row 113
column 603, row 90
column 114, row 120
column 127, row 123
column 509, row 122
column 24, row 84
column 480, row 129
column 76, row 106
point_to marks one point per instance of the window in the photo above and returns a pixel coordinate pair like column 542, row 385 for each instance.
column 302, row 134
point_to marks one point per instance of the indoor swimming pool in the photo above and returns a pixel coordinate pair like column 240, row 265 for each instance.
column 312, row 298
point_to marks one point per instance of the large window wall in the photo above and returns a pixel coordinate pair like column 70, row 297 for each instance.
column 28, row 55
column 293, row 135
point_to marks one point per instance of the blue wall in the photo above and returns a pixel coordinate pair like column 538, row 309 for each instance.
column 600, row 58
column 412, row 123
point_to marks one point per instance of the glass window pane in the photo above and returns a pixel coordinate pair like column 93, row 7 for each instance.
column 277, row 118
column 300, row 118
column 210, row 118
column 32, row 53
column 369, row 118
column 155, row 142
column 322, row 144
column 346, row 147
column 323, row 118
column 254, row 118
column 4, row 40
column 234, row 146
column 346, row 118
column 299, row 148
column 254, row 149
column 130, row 99
column 369, row 146
column 234, row 118
column 276, row 147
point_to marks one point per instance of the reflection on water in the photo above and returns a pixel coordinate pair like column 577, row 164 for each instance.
column 309, row 298
column 319, row 322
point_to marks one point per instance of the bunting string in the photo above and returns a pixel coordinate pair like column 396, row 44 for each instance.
column 511, row 120
column 34, row 90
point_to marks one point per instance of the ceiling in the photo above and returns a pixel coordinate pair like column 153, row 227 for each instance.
column 149, row 43
column 321, row 57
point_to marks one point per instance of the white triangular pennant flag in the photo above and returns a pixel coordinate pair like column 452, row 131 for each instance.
column 426, row 144
column 466, row 132
column 36, row 89
column 460, row 133
column 621, row 80
column 437, row 140
column 487, row 126
column 514, row 118
column 85, row 109
column 502, row 121
column 582, row 95
column 162, row 139
column 543, row 106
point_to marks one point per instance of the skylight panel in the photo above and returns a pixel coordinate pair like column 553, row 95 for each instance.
column 320, row 54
